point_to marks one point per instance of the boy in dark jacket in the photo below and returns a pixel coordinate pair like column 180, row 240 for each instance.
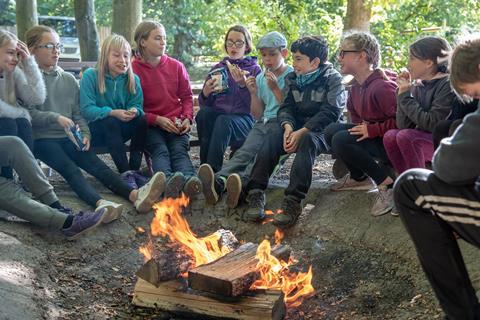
column 314, row 98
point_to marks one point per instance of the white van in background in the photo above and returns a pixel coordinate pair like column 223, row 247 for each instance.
column 67, row 30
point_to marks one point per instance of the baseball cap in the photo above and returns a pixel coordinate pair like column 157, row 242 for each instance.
column 272, row 39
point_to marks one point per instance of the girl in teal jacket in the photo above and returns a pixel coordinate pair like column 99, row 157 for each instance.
column 111, row 101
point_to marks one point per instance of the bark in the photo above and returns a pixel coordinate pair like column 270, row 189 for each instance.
column 127, row 14
column 86, row 29
column 26, row 15
column 358, row 15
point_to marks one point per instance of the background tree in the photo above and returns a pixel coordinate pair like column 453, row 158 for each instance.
column 86, row 29
column 358, row 15
column 127, row 14
column 26, row 16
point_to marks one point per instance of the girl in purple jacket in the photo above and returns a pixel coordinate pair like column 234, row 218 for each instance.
column 224, row 118
column 372, row 107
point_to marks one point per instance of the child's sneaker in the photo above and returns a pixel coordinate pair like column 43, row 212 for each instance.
column 234, row 190
column 129, row 178
column 84, row 222
column 151, row 192
column 256, row 202
column 174, row 185
column 383, row 202
column 193, row 187
column 114, row 210
column 291, row 210
column 207, row 177
column 347, row 183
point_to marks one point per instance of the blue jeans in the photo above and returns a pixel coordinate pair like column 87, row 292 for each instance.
column 113, row 134
column 62, row 156
column 169, row 152
column 216, row 131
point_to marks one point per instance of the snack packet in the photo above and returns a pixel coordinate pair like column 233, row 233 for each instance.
column 75, row 135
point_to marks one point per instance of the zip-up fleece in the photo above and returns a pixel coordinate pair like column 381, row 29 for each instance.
column 316, row 105
column 96, row 106
column 62, row 100
column 29, row 90
column 374, row 102
column 236, row 100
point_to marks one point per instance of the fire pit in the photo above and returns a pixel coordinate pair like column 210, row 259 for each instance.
column 215, row 276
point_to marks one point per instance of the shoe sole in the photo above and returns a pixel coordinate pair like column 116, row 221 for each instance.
column 84, row 231
column 256, row 218
column 114, row 211
column 156, row 186
column 234, row 189
column 174, row 186
column 207, row 177
column 381, row 213
column 284, row 225
column 192, row 188
column 359, row 188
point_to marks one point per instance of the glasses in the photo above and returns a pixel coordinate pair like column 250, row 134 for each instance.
column 341, row 54
column 51, row 46
column 238, row 44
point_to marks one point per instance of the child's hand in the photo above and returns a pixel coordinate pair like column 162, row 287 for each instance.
column 86, row 143
column 238, row 75
column 251, row 84
column 166, row 124
column 65, row 122
column 404, row 81
column 209, row 86
column 122, row 115
column 185, row 128
column 22, row 50
column 360, row 130
column 272, row 80
column 294, row 139
column 286, row 135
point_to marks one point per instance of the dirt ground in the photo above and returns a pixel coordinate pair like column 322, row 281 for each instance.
column 364, row 267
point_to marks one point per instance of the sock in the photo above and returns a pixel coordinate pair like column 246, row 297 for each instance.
column 56, row 205
column 220, row 185
column 68, row 222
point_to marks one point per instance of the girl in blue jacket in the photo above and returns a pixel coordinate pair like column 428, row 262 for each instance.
column 111, row 101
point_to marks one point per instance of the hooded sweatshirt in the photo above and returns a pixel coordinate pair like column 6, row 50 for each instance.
column 425, row 104
column 96, row 106
column 166, row 89
column 235, row 100
column 29, row 89
column 375, row 102
column 62, row 100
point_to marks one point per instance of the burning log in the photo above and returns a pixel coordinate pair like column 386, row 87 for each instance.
column 170, row 260
column 175, row 297
column 233, row 274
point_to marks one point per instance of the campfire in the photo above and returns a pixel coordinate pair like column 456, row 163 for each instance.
column 218, row 267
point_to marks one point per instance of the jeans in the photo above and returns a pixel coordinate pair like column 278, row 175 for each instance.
column 169, row 152
column 113, row 133
column 15, row 154
column 62, row 156
column 19, row 127
column 432, row 211
column 359, row 156
column 408, row 148
column 311, row 144
column 244, row 158
column 216, row 131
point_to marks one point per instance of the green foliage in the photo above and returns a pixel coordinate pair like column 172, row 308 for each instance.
column 7, row 13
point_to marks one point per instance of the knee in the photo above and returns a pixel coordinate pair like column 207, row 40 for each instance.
column 202, row 115
column 14, row 144
column 306, row 142
column 8, row 127
column 340, row 139
column 330, row 132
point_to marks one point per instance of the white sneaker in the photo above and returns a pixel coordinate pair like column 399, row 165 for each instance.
column 150, row 193
column 113, row 210
column 383, row 202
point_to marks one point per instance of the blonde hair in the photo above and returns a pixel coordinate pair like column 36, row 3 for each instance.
column 114, row 42
column 7, row 37
column 142, row 32
column 464, row 63
column 365, row 42
column 33, row 36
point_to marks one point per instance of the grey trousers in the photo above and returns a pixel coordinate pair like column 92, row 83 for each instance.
column 15, row 154
column 244, row 158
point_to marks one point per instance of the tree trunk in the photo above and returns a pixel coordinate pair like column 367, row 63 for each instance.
column 358, row 15
column 127, row 14
column 26, row 11
column 86, row 29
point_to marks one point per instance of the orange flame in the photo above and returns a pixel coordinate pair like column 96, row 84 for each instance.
column 279, row 236
column 274, row 274
column 168, row 221
column 147, row 250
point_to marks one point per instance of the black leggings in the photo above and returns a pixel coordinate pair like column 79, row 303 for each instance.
column 113, row 133
column 21, row 128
